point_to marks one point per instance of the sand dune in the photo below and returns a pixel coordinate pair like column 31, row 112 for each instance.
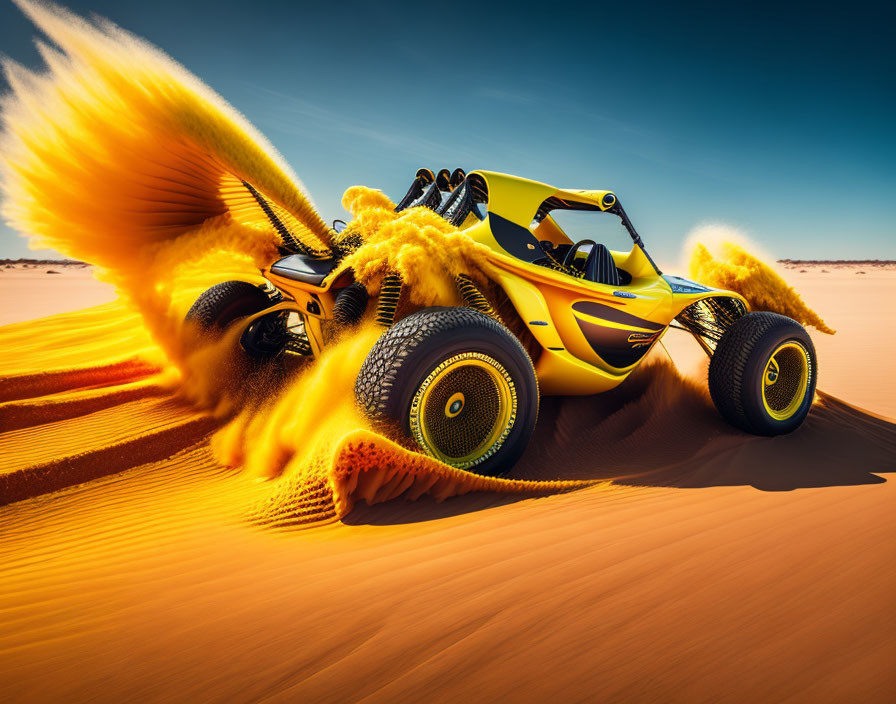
column 700, row 564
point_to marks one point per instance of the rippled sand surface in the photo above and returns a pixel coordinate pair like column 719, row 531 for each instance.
column 699, row 564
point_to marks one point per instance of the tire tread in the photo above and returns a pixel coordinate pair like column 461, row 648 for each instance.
column 729, row 364
column 206, row 311
column 378, row 390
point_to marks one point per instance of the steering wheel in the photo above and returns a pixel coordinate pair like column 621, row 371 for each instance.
column 590, row 262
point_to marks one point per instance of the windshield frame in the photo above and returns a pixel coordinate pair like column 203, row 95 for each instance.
column 557, row 203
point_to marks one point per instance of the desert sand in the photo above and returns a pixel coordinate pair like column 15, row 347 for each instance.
column 29, row 292
column 701, row 565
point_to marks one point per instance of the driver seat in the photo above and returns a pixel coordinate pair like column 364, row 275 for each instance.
column 604, row 269
column 599, row 265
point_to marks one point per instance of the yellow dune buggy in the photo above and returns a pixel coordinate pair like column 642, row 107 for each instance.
column 564, row 315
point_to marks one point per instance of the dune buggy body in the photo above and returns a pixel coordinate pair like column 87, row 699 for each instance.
column 554, row 316
column 591, row 331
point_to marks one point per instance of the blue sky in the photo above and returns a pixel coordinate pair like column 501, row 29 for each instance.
column 775, row 120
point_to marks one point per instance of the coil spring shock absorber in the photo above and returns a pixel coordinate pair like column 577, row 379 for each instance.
column 390, row 292
column 473, row 296
column 350, row 304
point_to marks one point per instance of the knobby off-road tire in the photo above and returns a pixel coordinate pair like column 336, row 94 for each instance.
column 762, row 375
column 459, row 383
column 225, row 303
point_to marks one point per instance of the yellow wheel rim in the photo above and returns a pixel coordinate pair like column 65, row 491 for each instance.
column 785, row 380
column 464, row 410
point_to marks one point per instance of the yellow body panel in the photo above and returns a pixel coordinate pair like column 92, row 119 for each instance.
column 313, row 303
column 569, row 364
column 592, row 335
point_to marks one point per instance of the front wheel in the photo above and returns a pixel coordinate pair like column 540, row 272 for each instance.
column 459, row 383
column 225, row 303
column 762, row 375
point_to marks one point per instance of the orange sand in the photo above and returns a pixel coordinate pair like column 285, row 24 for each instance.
column 30, row 292
column 703, row 565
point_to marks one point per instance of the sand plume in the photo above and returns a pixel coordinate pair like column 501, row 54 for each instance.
column 118, row 156
column 423, row 248
column 735, row 269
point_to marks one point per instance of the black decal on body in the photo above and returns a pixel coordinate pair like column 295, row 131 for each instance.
column 614, row 315
column 618, row 348
column 515, row 239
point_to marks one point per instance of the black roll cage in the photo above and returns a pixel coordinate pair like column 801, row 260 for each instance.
column 467, row 194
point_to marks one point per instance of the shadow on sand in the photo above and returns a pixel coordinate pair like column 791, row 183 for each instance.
column 659, row 429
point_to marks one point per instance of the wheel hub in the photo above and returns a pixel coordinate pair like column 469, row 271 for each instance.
column 464, row 410
column 267, row 335
column 455, row 405
column 785, row 380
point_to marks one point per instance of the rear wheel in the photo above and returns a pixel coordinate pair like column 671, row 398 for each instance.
column 459, row 383
column 762, row 375
column 223, row 304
